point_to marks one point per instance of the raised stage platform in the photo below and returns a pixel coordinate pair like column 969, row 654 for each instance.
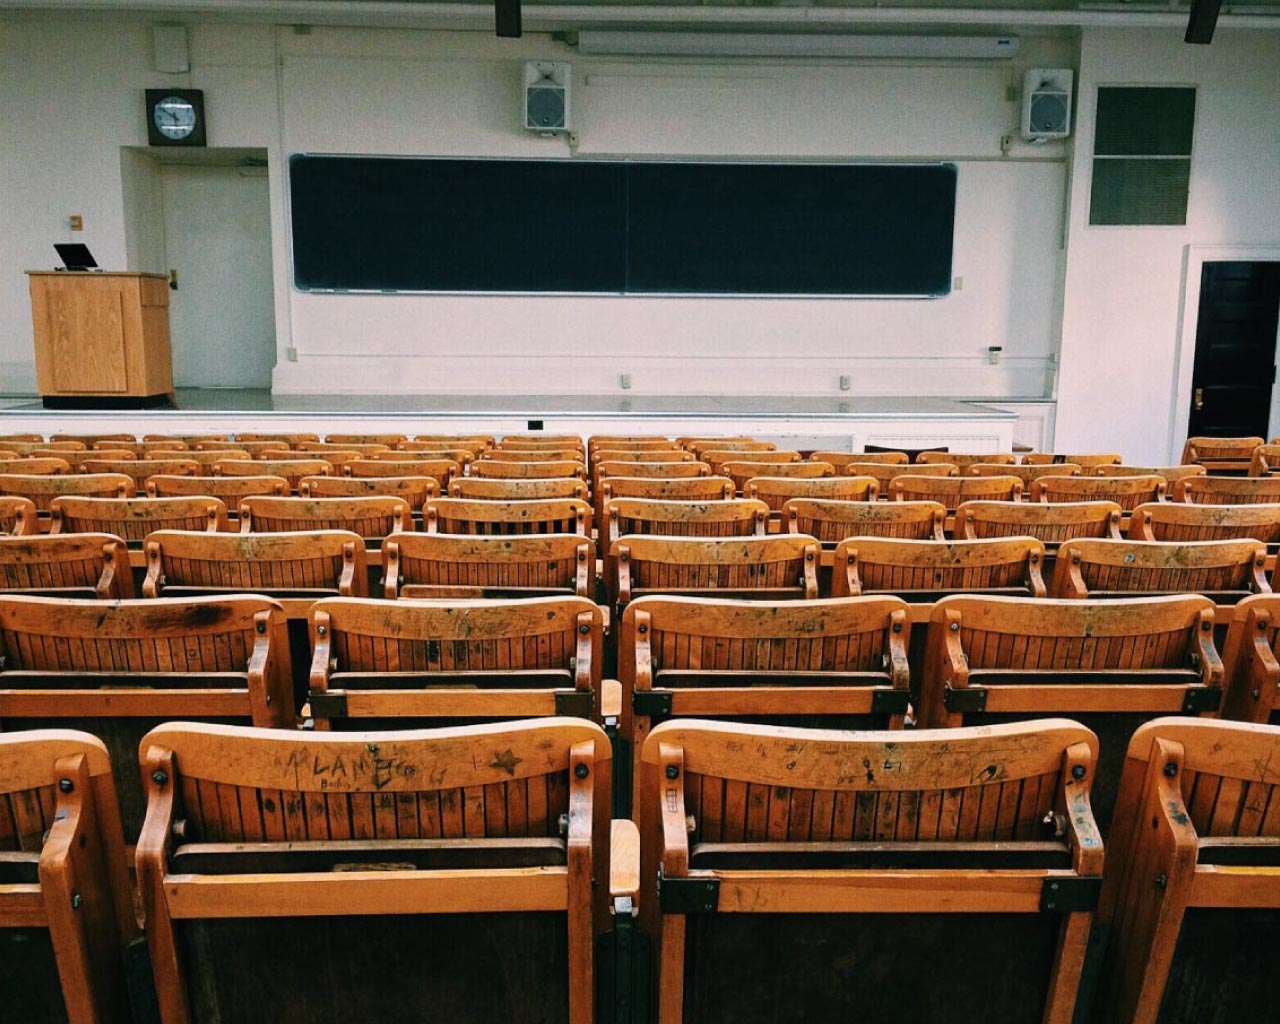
column 821, row 422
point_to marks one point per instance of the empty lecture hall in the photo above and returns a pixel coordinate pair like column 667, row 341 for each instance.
column 660, row 512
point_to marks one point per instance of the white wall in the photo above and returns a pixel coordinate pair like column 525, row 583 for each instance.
column 1124, row 285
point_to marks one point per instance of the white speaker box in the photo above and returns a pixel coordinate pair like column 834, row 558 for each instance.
column 1046, row 104
column 546, row 97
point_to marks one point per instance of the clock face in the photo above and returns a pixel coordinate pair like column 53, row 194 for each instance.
column 174, row 117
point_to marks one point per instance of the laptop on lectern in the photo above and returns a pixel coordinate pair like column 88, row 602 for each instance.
column 75, row 256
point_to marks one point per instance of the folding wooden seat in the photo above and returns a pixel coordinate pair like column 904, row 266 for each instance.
column 716, row 459
column 190, row 440
column 883, row 473
column 501, row 454
column 26, row 438
column 1189, row 900
column 1171, row 474
column 1251, row 655
column 1221, row 454
column 922, row 571
column 302, row 565
column 832, row 521
column 776, row 491
column 760, row 568
column 1224, row 570
column 698, row 445
column 841, row 460
column 1024, row 473
column 461, row 457
column 699, row 488
column 653, row 470
column 292, row 470
column 1173, row 521
column 416, row 490
column 497, row 840
column 1228, row 490
column 816, row 875
column 41, row 490
column 741, row 472
column 442, row 471
column 1051, row 524
column 26, row 466
column 133, row 518
column 18, row 517
column 231, row 490
column 597, row 444
column 288, row 440
column 359, row 448
column 1086, row 462
column 475, row 443
column 371, row 518
column 438, row 565
column 77, row 459
column 141, row 449
column 541, row 440
column 726, row 518
column 517, row 490
column 24, row 448
column 87, row 440
column 65, row 909
column 965, row 462
column 92, row 565
column 954, row 491
column 529, row 470
column 541, row 515
column 1126, row 491
column 139, row 470
column 459, row 450
column 254, row 448
column 6, row 455
column 345, row 440
column 1110, row 664
column 656, row 464
column 207, row 460
column 1265, row 460
column 385, row 664
column 829, row 664
column 669, row 453
column 115, row 669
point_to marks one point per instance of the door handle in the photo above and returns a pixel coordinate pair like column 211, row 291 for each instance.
column 1198, row 399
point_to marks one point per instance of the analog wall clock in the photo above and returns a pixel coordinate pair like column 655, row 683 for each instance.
column 175, row 117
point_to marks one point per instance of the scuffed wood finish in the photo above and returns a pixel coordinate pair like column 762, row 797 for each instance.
column 288, row 440
column 41, row 490
column 1172, row 521
column 1051, row 524
column 1265, row 460
column 753, row 567
column 247, row 444
column 1228, row 490
column 456, row 515
column 884, row 472
column 630, row 443
column 769, row 792
column 372, row 518
column 1126, row 491
column 1221, row 454
column 667, row 452
column 474, row 443
column 541, row 440
column 443, row 471
column 77, row 459
column 207, row 460
column 27, row 466
column 325, row 448
column 716, row 458
column 1191, row 790
column 292, row 470
column 1024, row 473
column 140, row 449
column 734, row 517
column 477, row 794
column 776, row 491
column 742, row 443
column 952, row 491
column 83, row 441
column 18, row 517
column 415, row 490
column 438, row 565
column 339, row 459
column 463, row 455
column 928, row 569
column 665, row 470
column 93, row 565
column 1086, row 462
column 376, row 440
column 501, row 454
column 139, row 470
column 1225, row 570
column 730, row 659
column 1251, row 655
column 475, row 489
column 964, row 463
column 692, row 488
column 230, row 490
column 134, row 518
column 303, row 564
column 841, row 460
column 58, row 805
column 833, row 521
column 469, row 659
column 741, row 472
column 1172, row 474
column 529, row 470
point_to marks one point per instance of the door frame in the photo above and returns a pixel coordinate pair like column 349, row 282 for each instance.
column 1194, row 257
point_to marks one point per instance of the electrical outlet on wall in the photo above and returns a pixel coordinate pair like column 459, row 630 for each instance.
column 845, row 382
column 624, row 381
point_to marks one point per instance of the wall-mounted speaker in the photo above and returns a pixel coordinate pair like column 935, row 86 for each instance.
column 546, row 97
column 1046, row 104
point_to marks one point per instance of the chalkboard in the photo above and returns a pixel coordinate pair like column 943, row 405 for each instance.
column 621, row 227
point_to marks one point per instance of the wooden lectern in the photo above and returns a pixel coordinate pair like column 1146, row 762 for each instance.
column 102, row 338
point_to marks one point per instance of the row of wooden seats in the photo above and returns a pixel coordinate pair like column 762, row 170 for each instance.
column 406, row 872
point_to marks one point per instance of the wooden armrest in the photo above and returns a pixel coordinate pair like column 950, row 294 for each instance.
column 610, row 699
column 624, row 860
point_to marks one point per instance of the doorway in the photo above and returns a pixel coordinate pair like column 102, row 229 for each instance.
column 1233, row 370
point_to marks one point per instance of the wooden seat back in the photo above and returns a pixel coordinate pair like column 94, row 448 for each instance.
column 1171, row 474
column 1221, row 454
column 372, row 518
column 1265, row 460
column 741, row 472
column 92, row 565
column 842, row 460
column 1225, row 570
column 306, row 564
column 255, row 449
column 473, row 443
column 442, row 471
column 139, row 470
column 77, row 459
column 292, row 470
column 1228, row 490
column 463, row 456
column 541, row 440
column 1251, row 655
column 776, row 491
column 437, row 565
column 87, row 440
column 18, row 516
column 541, row 470
column 288, row 440
column 144, row 448
column 1189, row 900
column 339, row 459
column 926, row 570
column 664, row 451
column 1126, row 491
column 833, row 521
column 34, row 467
column 190, row 440
column 133, row 518
column 1024, row 473
column 814, row 849
column 501, row 454
column 231, row 490
column 116, row 668
column 1051, row 524
column 23, row 449
column 693, row 488
column 965, row 462
column 540, row 515
column 207, row 460
column 771, row 456
column 953, row 491
column 1174, row 521
column 461, row 659
column 1086, row 461
column 41, row 490
column 1110, row 664
column 372, row 442
column 22, row 438
column 415, row 490
column 761, row 568
column 65, row 909
column 664, row 470
column 469, row 820
column 697, row 445
column 883, row 472
column 734, row 517
column 476, row 489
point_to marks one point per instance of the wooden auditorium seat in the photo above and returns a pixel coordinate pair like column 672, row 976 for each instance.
column 90, row 565
column 529, row 470
column 734, row 517
column 1126, row 491
column 230, row 490
column 1221, row 454
column 77, row 459
column 1086, row 461
column 416, row 490
column 884, row 473
column 292, row 470
column 543, row 515
column 253, row 447
column 832, row 521
column 438, row 565
column 133, row 518
column 1024, row 473
column 475, row 489
column 692, row 488
column 953, row 491
column 18, row 516
column 139, row 470
column 475, row 444
column 1228, row 490
column 965, row 462
column 665, row 470
column 207, row 460
column 1171, row 474
column 27, row 466
column 842, row 460
column 1251, row 655
column 1265, row 460
column 699, row 445
column 922, row 571
column 1224, row 570
column 1051, row 524
column 501, row 454
column 776, row 491
column 717, row 458
column 288, row 440
column 442, row 471
column 1173, row 521
column 741, row 472
column 371, row 518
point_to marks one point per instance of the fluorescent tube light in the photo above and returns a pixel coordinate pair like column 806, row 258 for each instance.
column 749, row 44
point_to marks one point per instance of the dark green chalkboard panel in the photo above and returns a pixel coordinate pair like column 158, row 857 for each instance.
column 404, row 224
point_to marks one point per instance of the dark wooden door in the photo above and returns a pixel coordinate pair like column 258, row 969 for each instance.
column 1235, row 350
